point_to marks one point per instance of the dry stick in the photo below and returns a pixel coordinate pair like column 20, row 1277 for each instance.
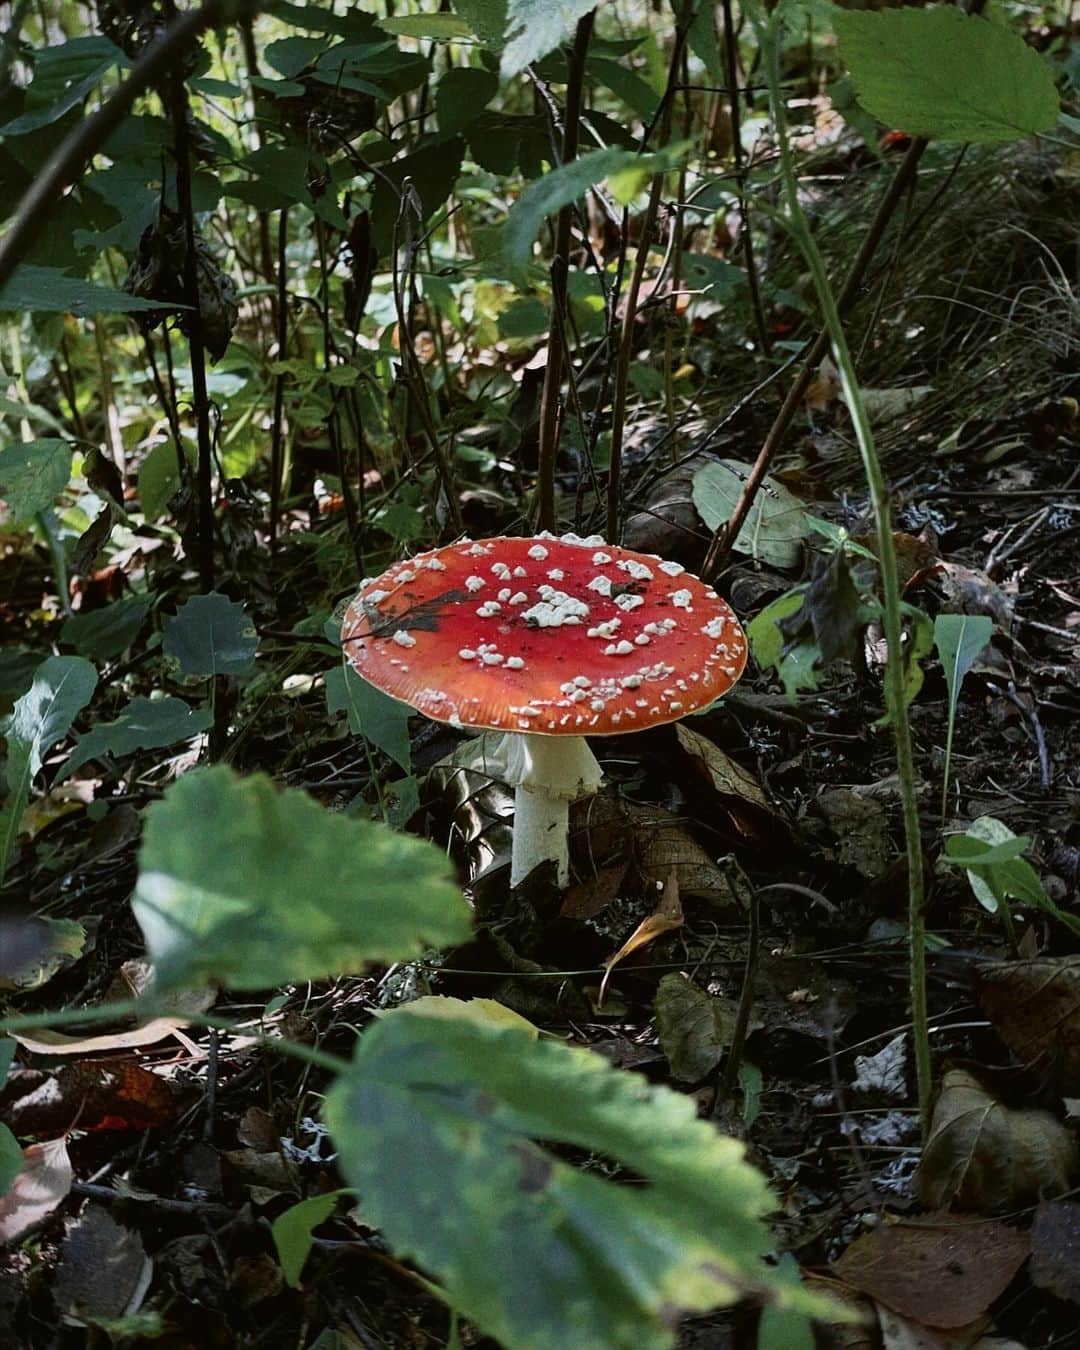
column 626, row 337
column 726, row 534
column 196, row 348
column 732, row 76
column 560, row 268
column 75, row 151
column 277, row 448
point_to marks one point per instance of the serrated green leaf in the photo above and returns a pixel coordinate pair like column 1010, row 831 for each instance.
column 103, row 634
column 49, row 290
column 486, row 18
column 211, row 635
column 32, row 475
column 62, row 687
column 251, row 886
column 437, row 1122
column 941, row 73
column 292, row 1231
column 145, row 724
column 776, row 526
column 548, row 194
column 380, row 719
column 536, row 27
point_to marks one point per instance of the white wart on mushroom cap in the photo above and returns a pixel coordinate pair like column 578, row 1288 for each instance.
column 551, row 636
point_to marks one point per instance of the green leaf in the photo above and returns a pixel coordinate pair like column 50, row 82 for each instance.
column 63, row 76
column 941, row 73
column 380, row 719
column 145, row 724
column 252, row 887
column 292, row 1231
column 32, row 475
column 959, row 639
column 750, row 1084
column 159, row 479
column 49, row 290
column 62, row 687
column 794, row 663
column 439, row 27
column 552, row 192
column 211, row 635
column 103, row 634
column 783, row 1328
column 462, row 95
column 433, row 170
column 17, row 666
column 536, row 27
column 437, row 1122
column 486, row 18
column 11, row 1159
column 43, row 947
column 776, row 526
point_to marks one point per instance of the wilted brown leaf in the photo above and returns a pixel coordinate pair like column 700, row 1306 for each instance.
column 667, row 916
column 104, row 1270
column 986, row 1158
column 1055, row 1249
column 46, row 1042
column 42, row 1184
column 942, row 1270
column 695, row 1028
column 727, row 777
column 92, row 1096
column 1035, row 1009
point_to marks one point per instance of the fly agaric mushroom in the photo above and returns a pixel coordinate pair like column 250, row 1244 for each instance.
column 552, row 639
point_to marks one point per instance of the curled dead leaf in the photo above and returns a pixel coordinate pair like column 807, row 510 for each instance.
column 41, row 1185
column 984, row 1157
column 695, row 1027
column 1035, row 1009
column 667, row 916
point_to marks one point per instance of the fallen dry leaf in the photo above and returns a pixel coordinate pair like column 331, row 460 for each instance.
column 1035, row 1009
column 903, row 1333
column 667, row 916
column 1055, row 1249
column 104, row 1270
column 46, row 1042
column 984, row 1157
column 695, row 1028
column 727, row 777
column 90, row 1096
column 43, row 1182
column 941, row 1271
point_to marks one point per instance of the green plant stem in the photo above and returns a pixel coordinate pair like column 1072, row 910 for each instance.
column 799, row 227
column 146, row 1008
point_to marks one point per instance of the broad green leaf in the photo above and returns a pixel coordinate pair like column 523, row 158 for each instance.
column 32, row 475
column 433, row 171
column 991, row 854
column 17, row 666
column 776, row 526
column 380, row 719
column 438, row 1122
column 63, row 76
column 62, row 687
column 250, row 886
column 552, row 192
column 783, row 1328
column 795, row 663
column 103, row 634
column 486, row 18
column 959, row 639
column 462, row 95
column 159, row 479
column 919, row 645
column 211, row 635
column 292, row 1231
column 941, row 73
column 145, row 724
column 11, row 1159
column 536, row 27
column 49, row 290
column 440, row 27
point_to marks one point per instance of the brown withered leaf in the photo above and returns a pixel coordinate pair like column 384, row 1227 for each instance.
column 1055, row 1249
column 727, row 777
column 104, row 1270
column 984, row 1157
column 592, row 897
column 941, row 1270
column 92, row 1096
column 904, row 1333
column 695, row 1028
column 1035, row 1009
column 665, row 918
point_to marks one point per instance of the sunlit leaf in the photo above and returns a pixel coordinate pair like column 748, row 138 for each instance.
column 32, row 475
column 252, row 887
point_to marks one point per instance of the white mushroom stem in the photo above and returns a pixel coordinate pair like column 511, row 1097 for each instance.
column 547, row 774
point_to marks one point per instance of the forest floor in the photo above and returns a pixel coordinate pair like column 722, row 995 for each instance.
column 197, row 1140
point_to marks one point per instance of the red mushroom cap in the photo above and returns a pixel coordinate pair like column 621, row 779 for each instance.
column 557, row 636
